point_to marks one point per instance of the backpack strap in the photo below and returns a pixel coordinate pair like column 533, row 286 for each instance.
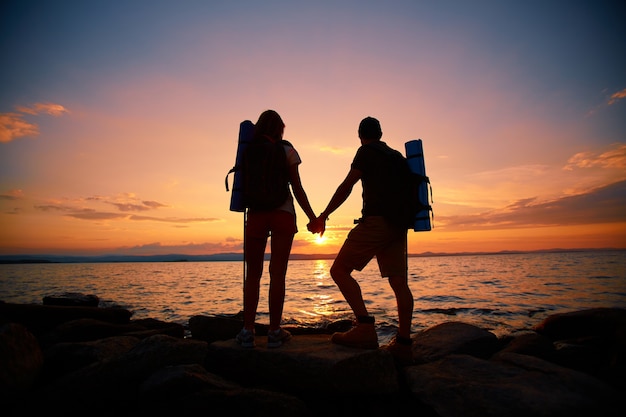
column 232, row 170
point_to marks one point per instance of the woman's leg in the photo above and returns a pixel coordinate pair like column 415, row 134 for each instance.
column 283, row 231
column 256, row 240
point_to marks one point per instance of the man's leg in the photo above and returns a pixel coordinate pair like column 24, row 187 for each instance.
column 348, row 286
column 400, row 346
column 404, row 300
column 363, row 335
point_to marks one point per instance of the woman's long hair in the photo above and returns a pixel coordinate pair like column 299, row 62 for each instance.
column 269, row 124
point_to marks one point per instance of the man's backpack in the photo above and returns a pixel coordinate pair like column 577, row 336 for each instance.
column 421, row 190
column 265, row 174
column 407, row 204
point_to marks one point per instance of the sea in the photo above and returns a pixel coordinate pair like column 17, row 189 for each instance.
column 503, row 293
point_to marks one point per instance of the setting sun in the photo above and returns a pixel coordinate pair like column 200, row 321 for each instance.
column 320, row 240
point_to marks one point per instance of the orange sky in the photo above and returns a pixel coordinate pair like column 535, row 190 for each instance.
column 116, row 132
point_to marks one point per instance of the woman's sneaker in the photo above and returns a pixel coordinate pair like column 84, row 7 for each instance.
column 245, row 338
column 276, row 338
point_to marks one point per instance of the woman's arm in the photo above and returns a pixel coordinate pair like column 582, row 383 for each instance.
column 299, row 193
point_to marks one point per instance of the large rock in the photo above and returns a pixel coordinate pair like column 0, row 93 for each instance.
column 583, row 323
column 21, row 360
column 190, row 389
column 307, row 364
column 115, row 382
column 214, row 328
column 453, row 337
column 86, row 329
column 591, row 341
column 460, row 372
column 63, row 358
column 529, row 343
column 40, row 318
column 511, row 386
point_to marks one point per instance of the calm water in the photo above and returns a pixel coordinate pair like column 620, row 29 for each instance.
column 501, row 293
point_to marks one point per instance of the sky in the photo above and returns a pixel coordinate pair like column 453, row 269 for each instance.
column 119, row 119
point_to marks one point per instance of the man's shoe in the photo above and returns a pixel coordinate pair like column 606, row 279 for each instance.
column 276, row 338
column 361, row 336
column 402, row 352
column 245, row 338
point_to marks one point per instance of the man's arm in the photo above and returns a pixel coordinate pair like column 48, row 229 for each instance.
column 341, row 194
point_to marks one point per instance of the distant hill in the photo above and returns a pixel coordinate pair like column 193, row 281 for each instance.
column 221, row 257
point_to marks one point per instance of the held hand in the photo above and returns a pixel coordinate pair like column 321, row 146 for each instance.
column 321, row 226
column 317, row 226
column 313, row 226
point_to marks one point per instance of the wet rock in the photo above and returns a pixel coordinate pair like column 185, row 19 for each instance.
column 73, row 299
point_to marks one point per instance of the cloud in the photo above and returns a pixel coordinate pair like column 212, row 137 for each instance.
column 91, row 214
column 83, row 209
column 613, row 158
column 601, row 205
column 13, row 211
column 131, row 207
column 52, row 207
column 129, row 202
column 519, row 173
column 52, row 109
column 13, row 126
column 153, row 204
column 336, row 150
column 156, row 248
column 12, row 195
column 175, row 219
column 617, row 97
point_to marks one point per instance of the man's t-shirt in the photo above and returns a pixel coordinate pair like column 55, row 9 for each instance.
column 374, row 163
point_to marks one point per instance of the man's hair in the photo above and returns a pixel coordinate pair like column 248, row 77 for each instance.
column 369, row 129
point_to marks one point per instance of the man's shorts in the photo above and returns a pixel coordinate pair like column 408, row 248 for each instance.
column 373, row 236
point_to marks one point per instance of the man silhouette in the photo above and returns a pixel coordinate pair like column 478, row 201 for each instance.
column 374, row 235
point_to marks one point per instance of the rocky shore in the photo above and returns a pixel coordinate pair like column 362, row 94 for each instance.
column 67, row 356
